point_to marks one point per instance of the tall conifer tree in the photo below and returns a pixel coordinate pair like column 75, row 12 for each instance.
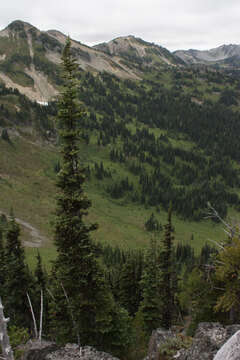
column 150, row 307
column 83, row 306
column 2, row 263
column 166, row 269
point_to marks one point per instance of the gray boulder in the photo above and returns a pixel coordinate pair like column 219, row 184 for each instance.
column 230, row 350
column 208, row 339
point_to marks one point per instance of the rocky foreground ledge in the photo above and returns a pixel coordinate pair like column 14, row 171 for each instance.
column 212, row 341
column 34, row 350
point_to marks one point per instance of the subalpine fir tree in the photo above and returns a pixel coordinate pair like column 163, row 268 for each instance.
column 151, row 304
column 129, row 292
column 2, row 263
column 167, row 282
column 83, row 308
column 16, row 277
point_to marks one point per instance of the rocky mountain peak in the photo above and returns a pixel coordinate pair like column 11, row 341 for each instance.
column 19, row 25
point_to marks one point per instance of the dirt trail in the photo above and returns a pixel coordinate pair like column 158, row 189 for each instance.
column 37, row 238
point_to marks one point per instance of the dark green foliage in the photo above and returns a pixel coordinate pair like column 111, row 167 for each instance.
column 17, row 278
column 120, row 188
column 152, row 224
column 184, row 256
column 228, row 97
column 57, row 167
column 5, row 135
column 2, row 261
column 167, row 275
column 101, row 172
column 130, row 292
column 151, row 305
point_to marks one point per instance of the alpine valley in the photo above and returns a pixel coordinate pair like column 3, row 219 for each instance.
column 159, row 128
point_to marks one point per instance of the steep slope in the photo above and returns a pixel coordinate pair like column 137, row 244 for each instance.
column 22, row 51
column 138, row 52
column 216, row 55
column 92, row 60
column 30, row 58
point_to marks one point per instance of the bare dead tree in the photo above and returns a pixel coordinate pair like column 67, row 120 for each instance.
column 41, row 318
column 33, row 317
column 231, row 230
column 7, row 353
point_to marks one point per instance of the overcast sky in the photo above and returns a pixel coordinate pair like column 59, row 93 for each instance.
column 174, row 24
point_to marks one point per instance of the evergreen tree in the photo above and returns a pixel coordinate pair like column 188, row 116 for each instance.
column 166, row 269
column 16, row 277
column 129, row 293
column 39, row 273
column 83, row 305
column 151, row 304
column 2, row 263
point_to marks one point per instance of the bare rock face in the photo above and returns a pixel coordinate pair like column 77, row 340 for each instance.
column 208, row 339
column 231, row 349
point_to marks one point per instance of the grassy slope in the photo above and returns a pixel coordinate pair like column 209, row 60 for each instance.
column 27, row 185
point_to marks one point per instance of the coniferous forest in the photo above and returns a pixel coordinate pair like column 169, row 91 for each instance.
column 181, row 156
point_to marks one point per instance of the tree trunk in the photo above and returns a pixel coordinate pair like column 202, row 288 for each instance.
column 7, row 352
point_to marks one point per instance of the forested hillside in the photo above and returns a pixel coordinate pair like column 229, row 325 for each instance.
column 171, row 137
column 119, row 176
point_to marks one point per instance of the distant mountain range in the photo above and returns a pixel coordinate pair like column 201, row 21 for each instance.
column 30, row 58
column 225, row 54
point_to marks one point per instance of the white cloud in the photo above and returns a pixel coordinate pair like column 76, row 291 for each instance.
column 171, row 23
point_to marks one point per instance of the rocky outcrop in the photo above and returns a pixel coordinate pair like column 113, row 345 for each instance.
column 231, row 349
column 73, row 352
column 35, row 350
column 208, row 339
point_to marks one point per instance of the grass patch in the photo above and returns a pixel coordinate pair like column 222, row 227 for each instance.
column 28, row 186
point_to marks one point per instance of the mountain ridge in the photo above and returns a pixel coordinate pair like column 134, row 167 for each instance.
column 214, row 55
column 30, row 58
